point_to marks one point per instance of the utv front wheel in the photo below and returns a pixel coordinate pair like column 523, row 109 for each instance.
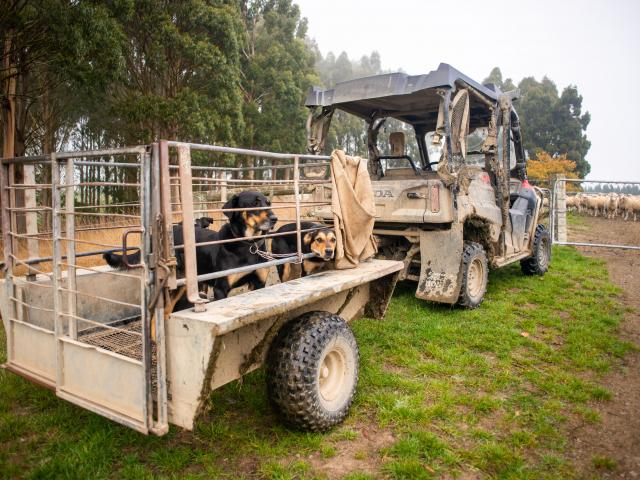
column 538, row 262
column 475, row 274
column 312, row 371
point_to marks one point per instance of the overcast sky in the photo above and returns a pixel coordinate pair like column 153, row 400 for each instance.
column 592, row 44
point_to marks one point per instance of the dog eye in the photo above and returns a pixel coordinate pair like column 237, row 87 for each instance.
column 320, row 240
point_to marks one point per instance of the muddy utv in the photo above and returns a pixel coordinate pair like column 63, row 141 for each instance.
column 455, row 202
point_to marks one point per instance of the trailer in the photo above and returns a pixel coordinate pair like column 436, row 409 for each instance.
column 107, row 340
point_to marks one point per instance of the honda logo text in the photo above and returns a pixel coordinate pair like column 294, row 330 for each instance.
column 382, row 194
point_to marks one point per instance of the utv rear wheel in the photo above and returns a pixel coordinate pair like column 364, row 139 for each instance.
column 312, row 371
column 475, row 274
column 538, row 262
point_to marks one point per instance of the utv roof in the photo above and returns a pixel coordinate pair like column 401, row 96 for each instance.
column 394, row 94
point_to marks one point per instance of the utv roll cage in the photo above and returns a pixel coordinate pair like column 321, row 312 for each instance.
column 422, row 101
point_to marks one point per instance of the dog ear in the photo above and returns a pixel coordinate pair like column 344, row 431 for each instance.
column 307, row 238
column 232, row 203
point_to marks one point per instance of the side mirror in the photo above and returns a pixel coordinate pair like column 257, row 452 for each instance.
column 396, row 142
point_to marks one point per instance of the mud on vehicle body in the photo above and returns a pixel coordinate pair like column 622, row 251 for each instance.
column 466, row 182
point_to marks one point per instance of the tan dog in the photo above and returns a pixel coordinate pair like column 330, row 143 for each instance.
column 321, row 241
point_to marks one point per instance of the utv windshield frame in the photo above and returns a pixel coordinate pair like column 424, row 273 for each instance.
column 414, row 100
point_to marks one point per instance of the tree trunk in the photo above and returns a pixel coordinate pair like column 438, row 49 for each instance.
column 9, row 90
column 9, row 98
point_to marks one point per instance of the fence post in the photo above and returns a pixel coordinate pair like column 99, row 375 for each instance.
column 188, row 229
column 31, row 215
column 223, row 187
column 70, row 226
column 560, row 208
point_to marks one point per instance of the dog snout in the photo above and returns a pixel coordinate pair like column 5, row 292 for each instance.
column 273, row 218
column 328, row 253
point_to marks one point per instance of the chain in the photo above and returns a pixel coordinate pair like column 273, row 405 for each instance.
column 253, row 249
column 162, row 263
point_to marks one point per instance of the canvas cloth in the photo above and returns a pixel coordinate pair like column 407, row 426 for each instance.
column 353, row 209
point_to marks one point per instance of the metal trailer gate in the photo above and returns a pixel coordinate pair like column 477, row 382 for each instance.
column 561, row 203
column 65, row 329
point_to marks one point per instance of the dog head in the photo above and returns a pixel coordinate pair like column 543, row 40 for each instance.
column 252, row 222
column 203, row 222
column 322, row 243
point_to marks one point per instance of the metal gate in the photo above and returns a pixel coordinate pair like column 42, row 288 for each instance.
column 583, row 197
column 78, row 328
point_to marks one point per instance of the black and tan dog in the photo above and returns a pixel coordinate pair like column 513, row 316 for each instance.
column 250, row 219
column 206, row 255
column 250, row 225
column 321, row 242
column 202, row 222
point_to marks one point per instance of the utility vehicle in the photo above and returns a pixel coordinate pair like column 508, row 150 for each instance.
column 458, row 202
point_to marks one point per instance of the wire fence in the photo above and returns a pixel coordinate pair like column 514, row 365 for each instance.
column 593, row 198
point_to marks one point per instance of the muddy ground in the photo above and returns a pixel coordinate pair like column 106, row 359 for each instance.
column 617, row 436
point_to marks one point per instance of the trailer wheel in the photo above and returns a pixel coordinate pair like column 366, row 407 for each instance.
column 538, row 262
column 475, row 275
column 312, row 371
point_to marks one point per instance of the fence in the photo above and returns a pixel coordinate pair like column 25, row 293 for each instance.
column 611, row 205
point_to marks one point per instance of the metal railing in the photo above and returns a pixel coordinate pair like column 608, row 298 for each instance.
column 224, row 185
column 605, row 204
column 52, row 242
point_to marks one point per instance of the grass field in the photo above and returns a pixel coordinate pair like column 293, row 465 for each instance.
column 443, row 393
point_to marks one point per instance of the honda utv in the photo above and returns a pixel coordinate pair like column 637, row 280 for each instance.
column 458, row 201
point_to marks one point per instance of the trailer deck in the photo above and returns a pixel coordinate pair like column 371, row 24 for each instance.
column 229, row 314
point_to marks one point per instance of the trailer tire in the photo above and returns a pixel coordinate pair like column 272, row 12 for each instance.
column 475, row 275
column 312, row 371
column 538, row 262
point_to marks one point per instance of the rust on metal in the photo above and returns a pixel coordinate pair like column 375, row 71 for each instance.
column 166, row 214
column 434, row 199
column 188, row 231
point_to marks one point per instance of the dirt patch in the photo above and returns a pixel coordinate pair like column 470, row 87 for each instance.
column 464, row 475
column 361, row 454
column 527, row 306
column 393, row 368
column 617, row 436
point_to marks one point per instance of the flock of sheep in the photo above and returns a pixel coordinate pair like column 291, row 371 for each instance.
column 610, row 205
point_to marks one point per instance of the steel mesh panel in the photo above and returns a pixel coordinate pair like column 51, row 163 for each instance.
column 460, row 122
column 125, row 340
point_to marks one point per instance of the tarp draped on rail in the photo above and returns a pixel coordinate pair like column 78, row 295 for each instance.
column 353, row 209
